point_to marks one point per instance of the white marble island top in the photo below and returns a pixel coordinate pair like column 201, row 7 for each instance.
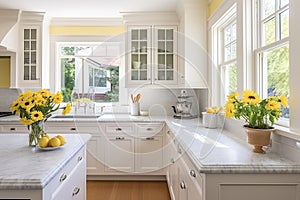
column 24, row 167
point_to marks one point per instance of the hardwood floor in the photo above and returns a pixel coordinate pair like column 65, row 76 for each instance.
column 127, row 190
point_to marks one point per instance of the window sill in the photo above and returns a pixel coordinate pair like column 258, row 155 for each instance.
column 286, row 132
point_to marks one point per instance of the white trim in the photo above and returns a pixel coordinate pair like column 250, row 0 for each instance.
column 86, row 22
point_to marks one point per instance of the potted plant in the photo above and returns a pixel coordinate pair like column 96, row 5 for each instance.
column 259, row 115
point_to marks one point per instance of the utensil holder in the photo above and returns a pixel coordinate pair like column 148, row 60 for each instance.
column 135, row 109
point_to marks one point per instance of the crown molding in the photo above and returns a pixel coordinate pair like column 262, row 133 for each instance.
column 86, row 22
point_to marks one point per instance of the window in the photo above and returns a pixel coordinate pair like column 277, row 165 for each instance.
column 89, row 70
column 228, row 58
column 273, row 49
column 30, row 54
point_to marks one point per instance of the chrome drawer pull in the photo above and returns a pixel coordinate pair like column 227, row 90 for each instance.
column 118, row 129
column 149, row 129
column 79, row 158
column 62, row 177
column 73, row 129
column 120, row 138
column 12, row 129
column 193, row 173
column 150, row 138
column 75, row 191
column 182, row 185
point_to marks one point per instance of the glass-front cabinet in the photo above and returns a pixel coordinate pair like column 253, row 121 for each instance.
column 152, row 57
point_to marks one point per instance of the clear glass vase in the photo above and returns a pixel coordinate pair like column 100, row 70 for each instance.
column 36, row 131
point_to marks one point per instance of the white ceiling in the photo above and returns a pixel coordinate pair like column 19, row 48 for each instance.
column 89, row 8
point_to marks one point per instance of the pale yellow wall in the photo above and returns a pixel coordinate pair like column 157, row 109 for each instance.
column 4, row 72
column 86, row 30
column 212, row 7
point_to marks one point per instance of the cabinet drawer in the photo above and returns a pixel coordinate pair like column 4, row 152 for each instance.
column 119, row 128
column 14, row 128
column 66, row 172
column 61, row 128
column 150, row 129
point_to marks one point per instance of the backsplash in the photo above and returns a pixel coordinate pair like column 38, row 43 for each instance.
column 159, row 101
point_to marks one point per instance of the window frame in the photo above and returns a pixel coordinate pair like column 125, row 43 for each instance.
column 260, row 47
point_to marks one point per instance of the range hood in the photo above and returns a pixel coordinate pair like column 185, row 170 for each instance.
column 9, row 19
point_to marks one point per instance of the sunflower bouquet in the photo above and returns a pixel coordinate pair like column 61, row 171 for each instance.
column 34, row 108
column 258, row 113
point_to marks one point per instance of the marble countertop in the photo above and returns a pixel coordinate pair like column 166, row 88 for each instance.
column 28, row 167
column 219, row 151
column 211, row 150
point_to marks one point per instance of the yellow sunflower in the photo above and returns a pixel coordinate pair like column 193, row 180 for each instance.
column 231, row 97
column 273, row 105
column 36, row 116
column 229, row 110
column 15, row 107
column 58, row 98
column 284, row 100
column 250, row 97
column 44, row 93
column 28, row 94
column 26, row 103
column 67, row 109
column 39, row 100
column 26, row 121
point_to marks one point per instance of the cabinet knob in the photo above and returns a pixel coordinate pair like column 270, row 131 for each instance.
column 79, row 158
column 182, row 185
column 76, row 190
column 149, row 129
column 118, row 129
column 179, row 150
column 193, row 173
column 62, row 177
column 120, row 138
column 172, row 160
column 168, row 132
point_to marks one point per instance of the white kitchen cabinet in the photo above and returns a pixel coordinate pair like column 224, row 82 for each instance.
column 119, row 147
column 31, row 45
column 119, row 154
column 152, row 57
column 95, row 155
column 149, row 148
column 70, row 182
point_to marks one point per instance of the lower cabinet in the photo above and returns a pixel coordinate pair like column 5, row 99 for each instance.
column 70, row 182
column 95, row 155
column 119, row 154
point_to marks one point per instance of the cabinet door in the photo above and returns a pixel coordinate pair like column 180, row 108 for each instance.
column 139, row 60
column 165, row 55
column 119, row 154
column 149, row 154
column 95, row 155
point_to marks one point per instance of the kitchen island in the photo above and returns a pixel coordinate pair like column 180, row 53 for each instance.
column 35, row 174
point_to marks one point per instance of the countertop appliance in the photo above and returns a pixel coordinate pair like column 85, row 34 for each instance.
column 7, row 96
column 183, row 107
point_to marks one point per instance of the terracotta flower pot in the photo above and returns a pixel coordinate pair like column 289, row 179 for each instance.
column 258, row 138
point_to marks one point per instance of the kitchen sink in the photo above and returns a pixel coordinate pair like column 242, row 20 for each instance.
column 75, row 116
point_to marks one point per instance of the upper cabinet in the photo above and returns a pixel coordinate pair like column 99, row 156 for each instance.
column 31, row 53
column 153, row 55
column 151, row 49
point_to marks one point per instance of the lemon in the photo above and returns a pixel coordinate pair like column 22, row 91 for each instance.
column 43, row 142
column 48, row 136
column 54, row 142
column 62, row 139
